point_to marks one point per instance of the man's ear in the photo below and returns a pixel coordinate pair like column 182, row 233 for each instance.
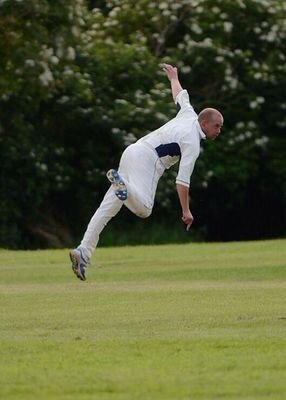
column 202, row 123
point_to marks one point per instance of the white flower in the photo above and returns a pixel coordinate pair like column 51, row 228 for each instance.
column 238, row 52
column 251, row 124
column 196, row 28
column 46, row 77
column 176, row 6
column 75, row 31
column 161, row 116
column 241, row 3
column 163, row 6
column 166, row 13
column 54, row 60
column 70, row 53
column 248, row 134
column 227, row 26
column 109, row 41
column 186, row 69
column 261, row 141
column 215, row 10
column 60, row 51
column 240, row 125
column 30, row 63
column 68, row 71
column 114, row 12
column 63, row 100
column 207, row 42
column 43, row 167
column 233, row 83
column 260, row 99
column 47, row 52
column 121, row 101
column 129, row 138
column 253, row 104
column 240, row 138
column 81, row 22
column 281, row 124
column 59, row 151
column 219, row 59
column 271, row 37
column 256, row 103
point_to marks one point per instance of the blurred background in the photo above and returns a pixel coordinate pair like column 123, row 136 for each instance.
column 80, row 80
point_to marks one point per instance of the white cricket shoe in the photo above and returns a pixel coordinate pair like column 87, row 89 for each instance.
column 79, row 263
column 118, row 184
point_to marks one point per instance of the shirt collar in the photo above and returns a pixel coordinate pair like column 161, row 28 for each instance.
column 201, row 133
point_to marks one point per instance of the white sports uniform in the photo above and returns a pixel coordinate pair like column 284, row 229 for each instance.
column 143, row 163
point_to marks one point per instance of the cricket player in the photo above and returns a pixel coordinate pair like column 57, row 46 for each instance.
column 142, row 164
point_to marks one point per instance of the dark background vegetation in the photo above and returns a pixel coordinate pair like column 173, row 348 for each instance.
column 81, row 80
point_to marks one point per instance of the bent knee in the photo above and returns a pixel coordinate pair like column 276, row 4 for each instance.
column 144, row 213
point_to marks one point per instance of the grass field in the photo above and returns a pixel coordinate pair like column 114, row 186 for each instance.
column 194, row 321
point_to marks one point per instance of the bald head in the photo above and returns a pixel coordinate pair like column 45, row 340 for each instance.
column 211, row 121
column 209, row 113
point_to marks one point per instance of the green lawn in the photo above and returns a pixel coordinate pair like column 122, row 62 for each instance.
column 194, row 321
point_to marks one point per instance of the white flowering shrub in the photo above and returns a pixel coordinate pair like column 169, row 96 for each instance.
column 38, row 43
column 80, row 80
column 231, row 55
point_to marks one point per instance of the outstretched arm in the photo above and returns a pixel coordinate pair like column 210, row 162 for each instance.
column 183, row 193
column 172, row 75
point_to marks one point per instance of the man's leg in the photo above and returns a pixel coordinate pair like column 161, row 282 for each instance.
column 108, row 208
column 140, row 169
column 80, row 256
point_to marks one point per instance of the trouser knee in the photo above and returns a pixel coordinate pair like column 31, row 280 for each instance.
column 144, row 213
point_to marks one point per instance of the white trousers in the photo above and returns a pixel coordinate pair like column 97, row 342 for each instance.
column 141, row 169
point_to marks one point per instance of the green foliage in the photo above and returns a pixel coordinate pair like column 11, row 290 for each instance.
column 80, row 83
column 196, row 321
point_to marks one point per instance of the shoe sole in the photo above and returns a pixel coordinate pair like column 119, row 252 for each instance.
column 119, row 185
column 75, row 259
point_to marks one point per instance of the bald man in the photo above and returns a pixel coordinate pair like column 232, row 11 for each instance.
column 142, row 164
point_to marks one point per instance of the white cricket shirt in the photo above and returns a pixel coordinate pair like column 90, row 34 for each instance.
column 178, row 140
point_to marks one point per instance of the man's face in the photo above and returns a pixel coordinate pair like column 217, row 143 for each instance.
column 212, row 127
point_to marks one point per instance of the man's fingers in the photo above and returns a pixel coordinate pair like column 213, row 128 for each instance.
column 188, row 226
column 168, row 67
column 188, row 222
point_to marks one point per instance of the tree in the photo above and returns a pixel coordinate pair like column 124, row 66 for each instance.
column 79, row 83
column 231, row 55
column 38, row 69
